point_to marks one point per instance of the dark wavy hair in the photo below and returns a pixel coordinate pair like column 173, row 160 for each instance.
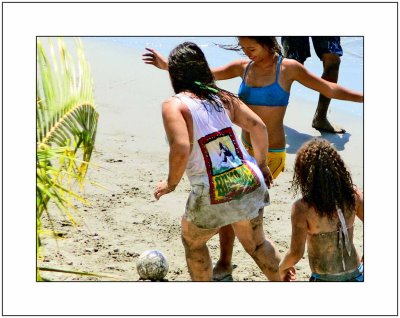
column 189, row 71
column 323, row 179
column 268, row 42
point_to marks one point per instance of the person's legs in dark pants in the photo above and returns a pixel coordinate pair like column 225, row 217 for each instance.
column 329, row 50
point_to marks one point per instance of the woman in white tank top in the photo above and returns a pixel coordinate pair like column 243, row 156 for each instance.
column 228, row 185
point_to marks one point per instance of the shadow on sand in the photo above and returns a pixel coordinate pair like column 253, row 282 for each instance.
column 295, row 139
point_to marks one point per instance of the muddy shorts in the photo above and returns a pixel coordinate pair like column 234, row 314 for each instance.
column 203, row 214
column 298, row 47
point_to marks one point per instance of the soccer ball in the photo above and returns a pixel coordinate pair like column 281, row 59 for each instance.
column 152, row 265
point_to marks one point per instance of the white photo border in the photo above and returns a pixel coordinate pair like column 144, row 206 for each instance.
column 376, row 22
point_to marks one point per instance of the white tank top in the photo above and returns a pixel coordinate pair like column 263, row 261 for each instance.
column 218, row 158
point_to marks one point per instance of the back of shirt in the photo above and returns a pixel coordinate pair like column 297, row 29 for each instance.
column 218, row 158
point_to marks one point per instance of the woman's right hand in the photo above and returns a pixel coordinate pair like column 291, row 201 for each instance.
column 155, row 58
column 163, row 188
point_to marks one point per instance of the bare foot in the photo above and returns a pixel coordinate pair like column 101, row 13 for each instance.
column 222, row 271
column 325, row 125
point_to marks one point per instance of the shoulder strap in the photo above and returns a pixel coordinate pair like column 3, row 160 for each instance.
column 188, row 101
column 245, row 71
column 343, row 236
column 278, row 67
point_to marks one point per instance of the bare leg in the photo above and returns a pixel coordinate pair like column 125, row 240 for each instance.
column 251, row 236
column 223, row 267
column 331, row 63
column 198, row 259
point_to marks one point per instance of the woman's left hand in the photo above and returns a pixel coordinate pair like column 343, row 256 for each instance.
column 162, row 188
column 267, row 174
column 288, row 275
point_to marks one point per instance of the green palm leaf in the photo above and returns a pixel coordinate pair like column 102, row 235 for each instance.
column 66, row 120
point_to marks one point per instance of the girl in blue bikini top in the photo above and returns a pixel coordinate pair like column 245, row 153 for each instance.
column 271, row 95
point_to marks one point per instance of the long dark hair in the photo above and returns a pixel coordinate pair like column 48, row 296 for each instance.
column 268, row 42
column 189, row 71
column 323, row 179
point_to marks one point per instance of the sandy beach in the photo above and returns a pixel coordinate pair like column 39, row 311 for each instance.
column 131, row 156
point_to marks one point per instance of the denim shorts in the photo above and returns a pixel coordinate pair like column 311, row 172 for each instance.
column 356, row 275
column 298, row 47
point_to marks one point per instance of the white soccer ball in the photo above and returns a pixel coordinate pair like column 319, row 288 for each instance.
column 152, row 265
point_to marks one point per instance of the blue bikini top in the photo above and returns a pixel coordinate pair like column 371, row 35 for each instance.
column 269, row 95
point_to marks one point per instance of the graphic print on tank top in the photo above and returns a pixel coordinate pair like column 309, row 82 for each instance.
column 229, row 176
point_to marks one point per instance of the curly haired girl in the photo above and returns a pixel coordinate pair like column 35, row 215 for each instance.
column 324, row 216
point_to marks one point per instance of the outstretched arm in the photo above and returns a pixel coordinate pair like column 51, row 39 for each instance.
column 298, row 240
column 231, row 70
column 299, row 73
column 179, row 144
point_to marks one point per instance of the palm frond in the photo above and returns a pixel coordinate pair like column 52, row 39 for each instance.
column 49, row 269
column 66, row 115
column 66, row 120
